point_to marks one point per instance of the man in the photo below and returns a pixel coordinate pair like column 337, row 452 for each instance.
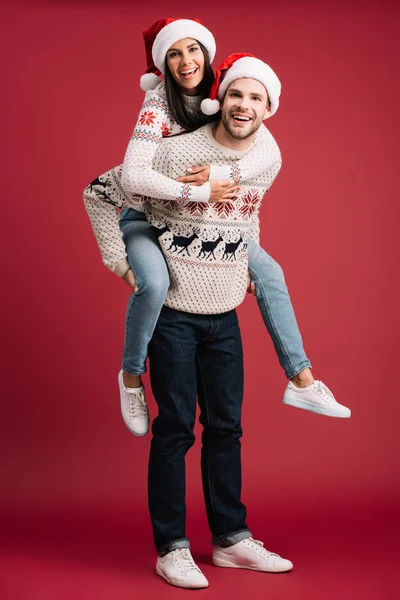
column 196, row 347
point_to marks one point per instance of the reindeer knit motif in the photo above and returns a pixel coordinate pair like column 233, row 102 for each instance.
column 204, row 243
column 105, row 193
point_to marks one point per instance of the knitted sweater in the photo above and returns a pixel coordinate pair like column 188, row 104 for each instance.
column 154, row 123
column 139, row 179
column 204, row 243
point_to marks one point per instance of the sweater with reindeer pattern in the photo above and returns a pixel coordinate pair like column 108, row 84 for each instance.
column 129, row 186
column 204, row 243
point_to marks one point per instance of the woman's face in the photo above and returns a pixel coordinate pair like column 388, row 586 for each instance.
column 185, row 60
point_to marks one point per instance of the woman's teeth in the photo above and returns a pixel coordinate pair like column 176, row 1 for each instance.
column 188, row 73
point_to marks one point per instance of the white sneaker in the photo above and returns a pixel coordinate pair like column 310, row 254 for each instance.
column 133, row 408
column 250, row 554
column 179, row 569
column 316, row 397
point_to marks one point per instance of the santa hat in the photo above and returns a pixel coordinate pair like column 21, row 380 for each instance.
column 161, row 36
column 237, row 66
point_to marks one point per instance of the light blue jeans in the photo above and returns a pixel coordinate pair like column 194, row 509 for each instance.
column 149, row 266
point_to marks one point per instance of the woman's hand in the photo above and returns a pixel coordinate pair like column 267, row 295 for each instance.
column 223, row 191
column 198, row 175
column 129, row 278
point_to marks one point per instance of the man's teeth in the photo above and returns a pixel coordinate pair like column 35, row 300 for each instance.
column 238, row 118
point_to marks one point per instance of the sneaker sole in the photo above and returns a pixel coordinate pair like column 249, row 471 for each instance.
column 180, row 584
column 132, row 430
column 316, row 409
column 220, row 562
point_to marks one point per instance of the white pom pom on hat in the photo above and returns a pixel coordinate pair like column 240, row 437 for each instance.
column 210, row 107
column 149, row 81
column 161, row 35
column 237, row 66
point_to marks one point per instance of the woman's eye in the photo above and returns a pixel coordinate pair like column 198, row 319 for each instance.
column 194, row 49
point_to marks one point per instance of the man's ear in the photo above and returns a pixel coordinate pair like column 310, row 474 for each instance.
column 267, row 113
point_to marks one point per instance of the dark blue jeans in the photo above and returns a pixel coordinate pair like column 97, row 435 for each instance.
column 196, row 355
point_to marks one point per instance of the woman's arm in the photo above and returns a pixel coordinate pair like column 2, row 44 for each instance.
column 138, row 177
column 101, row 197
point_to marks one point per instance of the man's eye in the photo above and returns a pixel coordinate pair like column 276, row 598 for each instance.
column 257, row 98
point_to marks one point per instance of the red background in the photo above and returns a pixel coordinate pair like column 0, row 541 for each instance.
column 323, row 492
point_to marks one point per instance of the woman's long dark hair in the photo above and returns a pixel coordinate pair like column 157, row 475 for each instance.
column 175, row 96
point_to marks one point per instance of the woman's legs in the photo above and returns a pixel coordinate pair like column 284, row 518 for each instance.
column 152, row 280
column 303, row 391
column 149, row 267
column 277, row 311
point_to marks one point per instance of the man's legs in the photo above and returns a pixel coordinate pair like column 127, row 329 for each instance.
column 172, row 354
column 220, row 393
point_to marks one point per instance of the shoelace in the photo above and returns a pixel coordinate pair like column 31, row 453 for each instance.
column 137, row 404
column 257, row 545
column 324, row 391
column 184, row 559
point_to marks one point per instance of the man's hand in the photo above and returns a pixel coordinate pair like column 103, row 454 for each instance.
column 129, row 278
column 251, row 286
column 198, row 175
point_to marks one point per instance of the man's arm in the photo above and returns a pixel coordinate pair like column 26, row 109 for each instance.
column 254, row 232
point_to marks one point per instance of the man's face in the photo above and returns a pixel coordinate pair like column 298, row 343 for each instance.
column 244, row 108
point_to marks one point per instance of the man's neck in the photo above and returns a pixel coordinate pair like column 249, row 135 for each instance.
column 225, row 139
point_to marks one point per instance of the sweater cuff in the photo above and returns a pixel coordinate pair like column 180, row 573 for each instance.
column 199, row 193
column 121, row 267
column 220, row 172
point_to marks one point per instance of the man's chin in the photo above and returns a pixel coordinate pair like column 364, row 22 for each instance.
column 239, row 133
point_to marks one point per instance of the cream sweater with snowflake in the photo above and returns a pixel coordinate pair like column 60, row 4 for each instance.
column 204, row 243
column 129, row 185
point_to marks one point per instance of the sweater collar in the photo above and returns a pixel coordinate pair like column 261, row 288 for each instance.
column 209, row 128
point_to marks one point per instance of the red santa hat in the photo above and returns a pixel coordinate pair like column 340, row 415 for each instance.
column 161, row 35
column 237, row 66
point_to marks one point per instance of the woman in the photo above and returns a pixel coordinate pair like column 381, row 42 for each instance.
column 183, row 50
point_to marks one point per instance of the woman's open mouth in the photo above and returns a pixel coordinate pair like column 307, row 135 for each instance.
column 188, row 74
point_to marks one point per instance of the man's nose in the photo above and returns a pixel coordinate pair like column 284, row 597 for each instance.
column 245, row 104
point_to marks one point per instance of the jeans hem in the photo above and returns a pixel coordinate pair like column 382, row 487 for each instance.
column 171, row 546
column 306, row 364
column 133, row 372
column 229, row 539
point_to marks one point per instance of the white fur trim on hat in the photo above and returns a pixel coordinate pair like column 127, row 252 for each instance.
column 253, row 68
column 149, row 81
column 178, row 30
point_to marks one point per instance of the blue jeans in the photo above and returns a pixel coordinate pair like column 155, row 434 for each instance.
column 148, row 264
column 196, row 355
